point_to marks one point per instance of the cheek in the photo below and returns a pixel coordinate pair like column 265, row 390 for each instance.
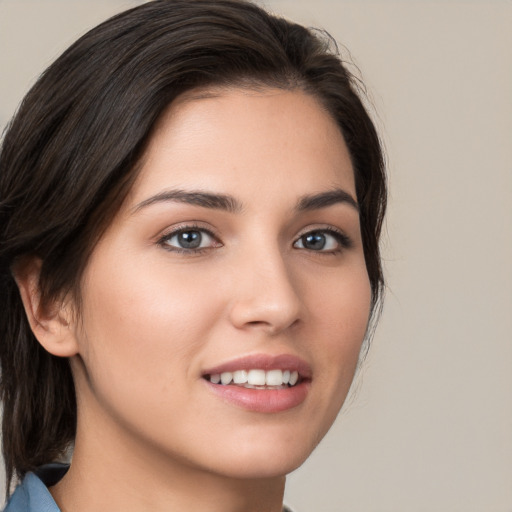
column 341, row 303
column 144, row 321
column 341, row 309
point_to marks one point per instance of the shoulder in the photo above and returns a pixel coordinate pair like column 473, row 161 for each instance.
column 32, row 494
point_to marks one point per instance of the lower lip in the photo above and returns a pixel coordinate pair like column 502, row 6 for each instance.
column 262, row 400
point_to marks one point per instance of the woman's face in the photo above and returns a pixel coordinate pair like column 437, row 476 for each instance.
column 237, row 255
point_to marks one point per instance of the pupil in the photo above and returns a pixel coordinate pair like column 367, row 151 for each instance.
column 314, row 241
column 190, row 239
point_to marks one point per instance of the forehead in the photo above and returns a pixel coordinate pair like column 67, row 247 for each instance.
column 238, row 140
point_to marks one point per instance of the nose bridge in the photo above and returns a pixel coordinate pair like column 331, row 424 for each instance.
column 265, row 289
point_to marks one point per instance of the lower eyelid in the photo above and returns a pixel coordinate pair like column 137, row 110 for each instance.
column 164, row 239
column 344, row 241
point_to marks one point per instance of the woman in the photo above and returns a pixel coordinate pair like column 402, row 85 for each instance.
column 191, row 201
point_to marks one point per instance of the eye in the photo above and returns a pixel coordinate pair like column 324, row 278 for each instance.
column 189, row 239
column 323, row 240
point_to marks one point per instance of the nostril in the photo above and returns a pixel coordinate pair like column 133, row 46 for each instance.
column 270, row 327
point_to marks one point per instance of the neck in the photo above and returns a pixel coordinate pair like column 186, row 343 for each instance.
column 113, row 472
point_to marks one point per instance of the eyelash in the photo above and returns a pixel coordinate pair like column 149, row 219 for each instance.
column 163, row 241
column 343, row 241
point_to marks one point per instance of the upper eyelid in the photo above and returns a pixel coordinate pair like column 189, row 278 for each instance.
column 168, row 234
column 187, row 226
column 323, row 228
column 344, row 241
column 163, row 241
column 320, row 227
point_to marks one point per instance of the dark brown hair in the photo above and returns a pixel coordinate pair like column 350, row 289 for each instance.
column 70, row 155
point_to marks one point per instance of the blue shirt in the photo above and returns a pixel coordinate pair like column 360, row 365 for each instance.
column 32, row 495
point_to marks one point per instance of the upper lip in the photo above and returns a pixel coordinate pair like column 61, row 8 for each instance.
column 263, row 362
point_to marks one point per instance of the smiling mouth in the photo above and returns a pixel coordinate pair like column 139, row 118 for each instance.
column 257, row 378
column 261, row 383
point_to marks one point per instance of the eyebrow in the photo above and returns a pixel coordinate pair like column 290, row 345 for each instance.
column 232, row 205
column 196, row 198
column 326, row 199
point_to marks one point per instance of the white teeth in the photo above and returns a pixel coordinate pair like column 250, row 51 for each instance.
column 240, row 377
column 256, row 378
column 274, row 378
column 226, row 377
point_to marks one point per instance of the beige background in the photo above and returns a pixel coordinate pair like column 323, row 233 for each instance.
column 430, row 426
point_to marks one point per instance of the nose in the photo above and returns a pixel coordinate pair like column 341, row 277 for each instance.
column 265, row 294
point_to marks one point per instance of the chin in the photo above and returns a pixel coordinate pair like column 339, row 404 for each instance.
column 267, row 457
column 275, row 467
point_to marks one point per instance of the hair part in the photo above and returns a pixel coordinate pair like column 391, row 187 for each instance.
column 70, row 157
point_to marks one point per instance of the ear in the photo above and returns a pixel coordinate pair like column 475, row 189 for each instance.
column 52, row 324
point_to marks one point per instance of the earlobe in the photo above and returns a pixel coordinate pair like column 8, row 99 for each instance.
column 52, row 324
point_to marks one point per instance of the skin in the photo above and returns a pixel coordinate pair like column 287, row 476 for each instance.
column 151, row 435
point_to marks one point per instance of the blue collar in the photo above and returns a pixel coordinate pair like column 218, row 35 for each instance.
column 32, row 495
